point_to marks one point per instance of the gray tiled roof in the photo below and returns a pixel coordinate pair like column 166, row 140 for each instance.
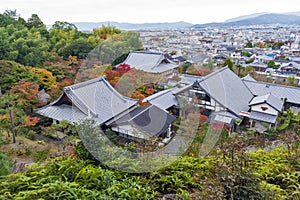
column 128, row 116
column 292, row 94
column 224, row 119
column 249, row 78
column 189, row 79
column 222, row 116
column 149, row 62
column 264, row 57
column 151, row 120
column 63, row 112
column 257, row 64
column 227, row 89
column 263, row 117
column 95, row 98
column 291, row 64
column 269, row 99
column 184, row 88
column 164, row 99
column 226, row 113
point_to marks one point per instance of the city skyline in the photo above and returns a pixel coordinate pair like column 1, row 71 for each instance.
column 134, row 11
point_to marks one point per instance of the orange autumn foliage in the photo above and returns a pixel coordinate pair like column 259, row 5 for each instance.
column 26, row 92
column 30, row 121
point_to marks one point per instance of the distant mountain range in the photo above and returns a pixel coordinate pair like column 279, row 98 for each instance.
column 257, row 19
column 291, row 18
column 257, row 15
column 245, row 17
column 89, row 26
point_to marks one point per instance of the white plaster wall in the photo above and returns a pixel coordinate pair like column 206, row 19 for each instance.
column 270, row 109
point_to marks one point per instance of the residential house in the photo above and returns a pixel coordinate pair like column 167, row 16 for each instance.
column 220, row 58
column 265, row 108
column 258, row 66
column 236, row 54
column 200, row 59
column 264, row 58
column 290, row 68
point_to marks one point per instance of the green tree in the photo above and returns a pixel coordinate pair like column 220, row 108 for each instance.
column 100, row 34
column 120, row 59
column 4, row 164
column 271, row 64
column 246, row 53
column 10, row 17
column 291, row 79
column 11, row 13
column 249, row 45
column 46, row 78
column 9, row 114
column 12, row 116
column 35, row 21
column 184, row 67
column 5, row 45
column 79, row 48
column 62, row 25
column 12, row 72
column 251, row 60
column 228, row 63
column 24, row 46
column 239, row 67
column 61, row 38
column 116, row 45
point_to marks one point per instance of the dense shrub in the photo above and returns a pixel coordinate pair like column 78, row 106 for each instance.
column 255, row 175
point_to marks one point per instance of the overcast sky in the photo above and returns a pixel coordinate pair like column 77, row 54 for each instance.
column 140, row 11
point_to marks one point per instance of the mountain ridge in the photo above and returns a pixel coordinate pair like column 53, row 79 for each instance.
column 262, row 18
column 265, row 19
column 242, row 17
column 249, row 16
column 89, row 26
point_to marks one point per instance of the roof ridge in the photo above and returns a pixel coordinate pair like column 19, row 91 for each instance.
column 147, row 52
column 267, row 100
column 140, row 113
column 122, row 97
column 81, row 84
column 158, row 62
column 253, row 96
column 226, row 108
column 79, row 101
column 269, row 96
column 162, row 93
column 190, row 75
column 214, row 73
column 182, row 89
column 273, row 84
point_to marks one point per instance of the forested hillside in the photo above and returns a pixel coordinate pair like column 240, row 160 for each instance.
column 36, row 62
